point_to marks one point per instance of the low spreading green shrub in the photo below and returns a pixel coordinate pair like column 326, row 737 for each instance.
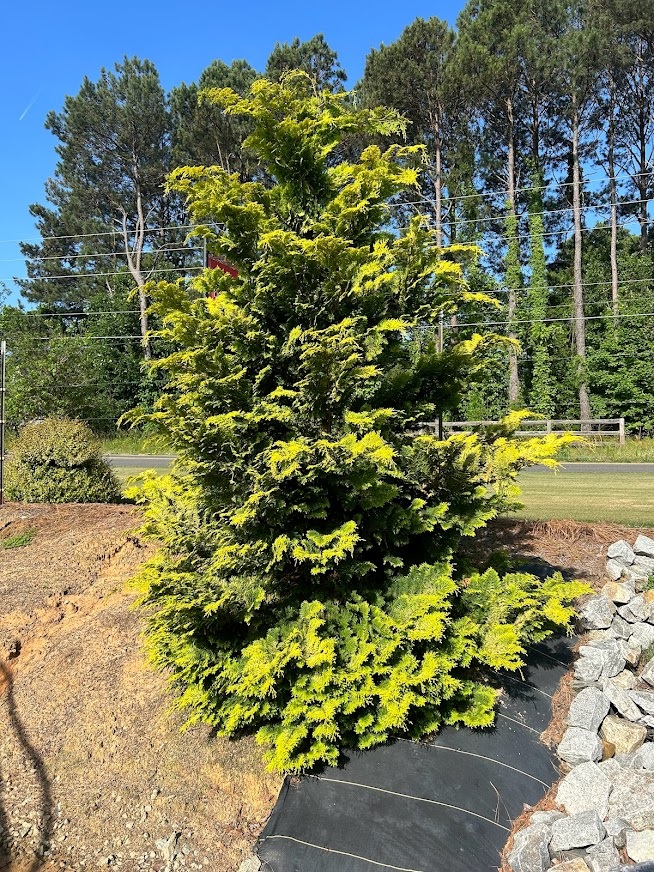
column 59, row 461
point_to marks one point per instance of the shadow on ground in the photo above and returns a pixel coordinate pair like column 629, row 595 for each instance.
column 35, row 762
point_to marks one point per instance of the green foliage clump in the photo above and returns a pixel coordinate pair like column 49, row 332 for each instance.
column 305, row 588
column 20, row 540
column 59, row 461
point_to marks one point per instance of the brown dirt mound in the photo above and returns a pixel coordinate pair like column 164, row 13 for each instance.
column 91, row 763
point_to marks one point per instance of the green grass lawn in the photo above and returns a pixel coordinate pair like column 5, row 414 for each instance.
column 610, row 451
column 134, row 443
column 610, row 497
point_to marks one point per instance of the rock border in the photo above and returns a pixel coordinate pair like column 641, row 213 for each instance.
column 605, row 821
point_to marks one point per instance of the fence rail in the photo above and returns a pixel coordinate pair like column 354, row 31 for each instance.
column 586, row 427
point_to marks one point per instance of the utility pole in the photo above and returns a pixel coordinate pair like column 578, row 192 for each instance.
column 3, row 360
column 441, row 330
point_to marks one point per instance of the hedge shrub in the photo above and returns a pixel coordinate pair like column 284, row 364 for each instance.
column 59, row 461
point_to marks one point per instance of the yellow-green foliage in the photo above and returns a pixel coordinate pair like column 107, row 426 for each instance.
column 59, row 461
column 305, row 588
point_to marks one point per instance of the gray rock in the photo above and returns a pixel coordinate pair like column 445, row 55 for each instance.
column 584, row 789
column 588, row 666
column 636, row 576
column 610, row 652
column 635, row 610
column 644, row 546
column 646, row 721
column 644, row 757
column 643, row 634
column 577, row 831
column 611, row 768
column 644, row 699
column 648, row 672
column 632, row 798
column 597, row 613
column 546, row 817
column 252, row 864
column 647, row 866
column 623, row 551
column 621, row 700
column 643, row 564
column 614, row 569
column 618, row 593
column 588, row 709
column 576, row 865
column 580, row 746
column 630, row 650
column 625, row 735
column 639, row 607
column 530, row 851
column 640, row 846
column 625, row 679
column 622, row 629
column 604, row 857
column 616, row 828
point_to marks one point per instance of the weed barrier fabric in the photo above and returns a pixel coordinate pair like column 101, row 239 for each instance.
column 441, row 806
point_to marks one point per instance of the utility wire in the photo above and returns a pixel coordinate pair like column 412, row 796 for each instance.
column 526, row 214
column 92, row 275
column 95, row 254
column 595, row 177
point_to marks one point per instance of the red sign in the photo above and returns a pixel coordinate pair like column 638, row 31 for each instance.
column 214, row 262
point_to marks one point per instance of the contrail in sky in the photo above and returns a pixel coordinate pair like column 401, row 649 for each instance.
column 29, row 105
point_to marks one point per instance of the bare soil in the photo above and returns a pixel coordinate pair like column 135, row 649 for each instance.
column 91, row 762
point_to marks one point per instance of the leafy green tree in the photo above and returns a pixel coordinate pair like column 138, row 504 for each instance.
column 542, row 388
column 488, row 62
column 314, row 56
column 305, row 585
column 410, row 75
column 114, row 154
column 203, row 134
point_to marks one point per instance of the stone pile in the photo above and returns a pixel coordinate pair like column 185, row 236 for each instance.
column 607, row 798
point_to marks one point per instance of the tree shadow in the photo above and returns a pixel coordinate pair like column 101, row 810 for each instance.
column 37, row 764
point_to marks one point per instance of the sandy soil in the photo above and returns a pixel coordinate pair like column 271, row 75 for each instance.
column 91, row 763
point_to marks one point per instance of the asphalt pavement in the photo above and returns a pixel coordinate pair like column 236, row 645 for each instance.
column 163, row 461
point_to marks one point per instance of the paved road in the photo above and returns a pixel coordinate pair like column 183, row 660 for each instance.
column 158, row 461
column 163, row 461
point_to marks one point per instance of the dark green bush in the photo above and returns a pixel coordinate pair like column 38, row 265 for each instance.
column 59, row 461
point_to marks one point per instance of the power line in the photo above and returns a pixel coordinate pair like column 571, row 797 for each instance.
column 514, row 321
column 117, row 232
column 527, row 215
column 92, row 275
column 94, row 254
column 594, row 177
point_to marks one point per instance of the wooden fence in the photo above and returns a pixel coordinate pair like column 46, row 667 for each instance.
column 589, row 429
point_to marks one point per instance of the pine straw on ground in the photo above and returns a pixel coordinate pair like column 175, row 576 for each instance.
column 577, row 549
column 90, row 760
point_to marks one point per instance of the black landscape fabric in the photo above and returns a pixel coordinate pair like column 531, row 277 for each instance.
column 440, row 806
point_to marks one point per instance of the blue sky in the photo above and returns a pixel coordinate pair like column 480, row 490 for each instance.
column 48, row 47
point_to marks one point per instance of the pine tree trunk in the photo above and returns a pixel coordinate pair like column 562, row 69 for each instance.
column 578, row 289
column 514, row 252
column 613, row 194
column 438, row 183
